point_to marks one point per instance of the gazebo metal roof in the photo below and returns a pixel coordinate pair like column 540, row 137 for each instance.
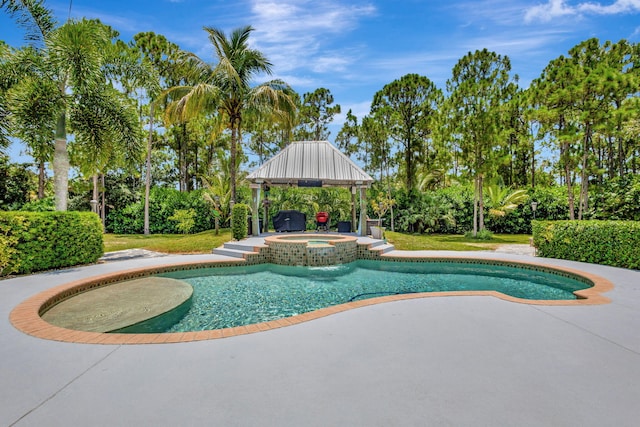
column 310, row 163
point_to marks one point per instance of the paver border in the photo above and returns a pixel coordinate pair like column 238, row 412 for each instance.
column 26, row 316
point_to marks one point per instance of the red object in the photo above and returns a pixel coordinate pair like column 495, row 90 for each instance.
column 322, row 221
column 322, row 217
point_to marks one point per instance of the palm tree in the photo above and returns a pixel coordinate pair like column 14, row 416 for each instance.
column 71, row 65
column 503, row 200
column 226, row 88
column 108, row 135
column 75, row 54
column 217, row 185
column 37, row 21
column 5, row 82
column 32, row 103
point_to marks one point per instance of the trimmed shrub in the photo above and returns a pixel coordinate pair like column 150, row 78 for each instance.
column 8, row 242
column 37, row 241
column 615, row 243
column 239, row 217
column 15, row 184
column 185, row 219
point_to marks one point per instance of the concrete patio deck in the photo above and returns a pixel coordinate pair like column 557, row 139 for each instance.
column 435, row 361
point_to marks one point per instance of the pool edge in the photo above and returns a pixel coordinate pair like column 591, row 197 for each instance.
column 26, row 315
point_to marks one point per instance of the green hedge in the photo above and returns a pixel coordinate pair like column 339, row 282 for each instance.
column 163, row 204
column 615, row 243
column 239, row 217
column 36, row 241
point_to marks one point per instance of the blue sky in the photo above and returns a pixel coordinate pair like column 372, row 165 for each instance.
column 355, row 47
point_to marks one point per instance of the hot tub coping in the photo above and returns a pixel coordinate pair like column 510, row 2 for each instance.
column 300, row 238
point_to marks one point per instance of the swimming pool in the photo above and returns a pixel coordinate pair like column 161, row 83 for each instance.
column 235, row 296
column 27, row 316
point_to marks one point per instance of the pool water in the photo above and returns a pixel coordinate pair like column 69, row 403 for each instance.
column 236, row 296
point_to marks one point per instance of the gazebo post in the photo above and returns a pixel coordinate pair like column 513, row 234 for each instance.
column 362, row 227
column 353, row 208
column 255, row 213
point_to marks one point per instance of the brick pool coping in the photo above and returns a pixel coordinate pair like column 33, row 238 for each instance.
column 26, row 316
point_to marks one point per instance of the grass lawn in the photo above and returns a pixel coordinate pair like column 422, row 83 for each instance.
column 204, row 242
column 451, row 242
column 200, row 243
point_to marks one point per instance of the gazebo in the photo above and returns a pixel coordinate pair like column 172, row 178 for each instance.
column 310, row 164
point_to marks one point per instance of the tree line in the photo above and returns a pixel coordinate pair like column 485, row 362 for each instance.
column 582, row 112
column 156, row 115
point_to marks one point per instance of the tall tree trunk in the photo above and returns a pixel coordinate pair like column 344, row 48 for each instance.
column 194, row 181
column 567, row 178
column 103, row 204
column 621, row 158
column 184, row 179
column 611, row 158
column 234, row 154
column 147, row 178
column 564, row 153
column 389, row 197
column 481, row 202
column 475, row 206
column 61, row 165
column 354, row 222
column 95, row 194
column 511, row 156
column 41, row 180
column 455, row 161
column 584, row 174
column 408, row 160
column 533, row 164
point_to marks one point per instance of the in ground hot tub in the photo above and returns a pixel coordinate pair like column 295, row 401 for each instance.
column 311, row 249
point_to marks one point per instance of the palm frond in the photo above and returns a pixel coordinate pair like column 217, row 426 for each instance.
column 35, row 104
column 503, row 200
column 226, row 76
column 104, row 121
column 194, row 68
column 33, row 16
column 234, row 53
column 77, row 50
column 191, row 102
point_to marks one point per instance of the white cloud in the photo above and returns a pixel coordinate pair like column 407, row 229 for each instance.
column 558, row 8
column 548, row 11
column 295, row 34
column 331, row 62
column 488, row 12
column 291, row 18
column 619, row 6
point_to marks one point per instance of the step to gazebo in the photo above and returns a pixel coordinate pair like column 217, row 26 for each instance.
column 237, row 249
column 252, row 246
column 381, row 247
